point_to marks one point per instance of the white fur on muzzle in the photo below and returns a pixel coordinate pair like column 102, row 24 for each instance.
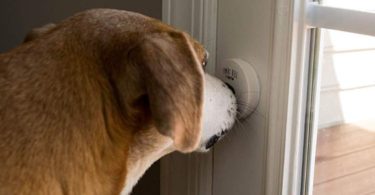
column 219, row 112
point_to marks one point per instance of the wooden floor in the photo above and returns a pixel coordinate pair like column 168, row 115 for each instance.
column 345, row 160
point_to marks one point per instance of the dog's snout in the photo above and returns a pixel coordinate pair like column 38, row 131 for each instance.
column 219, row 111
column 212, row 141
column 231, row 88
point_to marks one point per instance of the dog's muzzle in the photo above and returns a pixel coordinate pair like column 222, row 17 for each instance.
column 212, row 141
column 219, row 114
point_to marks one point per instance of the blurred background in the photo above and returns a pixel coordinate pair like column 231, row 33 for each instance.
column 19, row 16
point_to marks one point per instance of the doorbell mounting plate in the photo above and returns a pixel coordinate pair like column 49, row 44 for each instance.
column 242, row 77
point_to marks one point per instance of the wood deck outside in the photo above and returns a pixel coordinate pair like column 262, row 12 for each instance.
column 345, row 160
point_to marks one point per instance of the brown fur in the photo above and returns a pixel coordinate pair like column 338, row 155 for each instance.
column 80, row 98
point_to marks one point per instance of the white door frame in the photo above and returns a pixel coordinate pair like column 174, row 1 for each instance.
column 293, row 19
column 190, row 174
column 285, row 100
column 289, row 72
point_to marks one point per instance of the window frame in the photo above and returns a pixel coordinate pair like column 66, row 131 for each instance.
column 290, row 169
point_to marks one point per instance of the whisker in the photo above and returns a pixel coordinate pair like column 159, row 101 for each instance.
column 243, row 129
column 245, row 106
column 240, row 124
column 245, row 92
column 240, row 127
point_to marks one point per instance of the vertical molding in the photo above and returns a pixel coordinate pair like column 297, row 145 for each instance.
column 286, row 115
column 193, row 23
column 164, row 176
column 279, row 88
column 166, row 11
column 209, row 31
column 191, row 174
column 199, row 20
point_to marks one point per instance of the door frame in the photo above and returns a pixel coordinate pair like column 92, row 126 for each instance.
column 193, row 172
column 292, row 20
column 284, row 142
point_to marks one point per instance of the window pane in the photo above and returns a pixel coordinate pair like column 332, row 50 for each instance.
column 365, row 5
column 345, row 149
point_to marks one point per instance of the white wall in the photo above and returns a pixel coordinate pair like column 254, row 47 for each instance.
column 237, row 164
column 245, row 31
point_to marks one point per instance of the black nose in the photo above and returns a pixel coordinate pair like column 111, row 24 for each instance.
column 212, row 141
column 231, row 88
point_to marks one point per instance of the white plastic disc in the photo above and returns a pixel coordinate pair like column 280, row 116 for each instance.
column 244, row 80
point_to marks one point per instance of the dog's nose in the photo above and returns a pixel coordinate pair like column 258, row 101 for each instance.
column 231, row 88
column 212, row 141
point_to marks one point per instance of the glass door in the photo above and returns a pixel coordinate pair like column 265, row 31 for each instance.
column 345, row 140
column 339, row 145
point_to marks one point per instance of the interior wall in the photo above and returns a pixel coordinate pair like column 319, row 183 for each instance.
column 245, row 31
column 17, row 17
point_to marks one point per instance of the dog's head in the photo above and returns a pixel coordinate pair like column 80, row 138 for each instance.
column 163, row 86
column 193, row 108
column 149, row 80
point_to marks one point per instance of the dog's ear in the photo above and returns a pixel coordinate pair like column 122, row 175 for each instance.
column 174, row 84
column 38, row 32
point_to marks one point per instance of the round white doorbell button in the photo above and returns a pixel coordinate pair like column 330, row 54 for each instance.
column 242, row 77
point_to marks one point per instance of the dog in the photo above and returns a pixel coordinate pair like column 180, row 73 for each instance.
column 89, row 103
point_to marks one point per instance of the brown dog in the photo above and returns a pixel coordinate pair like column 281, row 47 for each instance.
column 87, row 105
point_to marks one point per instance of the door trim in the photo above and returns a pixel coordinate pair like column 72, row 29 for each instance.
column 192, row 172
column 285, row 127
column 198, row 18
column 288, row 99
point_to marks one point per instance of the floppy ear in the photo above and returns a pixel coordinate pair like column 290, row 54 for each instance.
column 174, row 83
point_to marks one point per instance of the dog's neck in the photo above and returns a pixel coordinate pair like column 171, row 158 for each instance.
column 146, row 148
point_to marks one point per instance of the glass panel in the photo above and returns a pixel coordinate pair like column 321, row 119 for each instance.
column 345, row 148
column 365, row 5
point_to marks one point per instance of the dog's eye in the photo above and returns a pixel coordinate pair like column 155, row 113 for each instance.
column 205, row 59
column 204, row 63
